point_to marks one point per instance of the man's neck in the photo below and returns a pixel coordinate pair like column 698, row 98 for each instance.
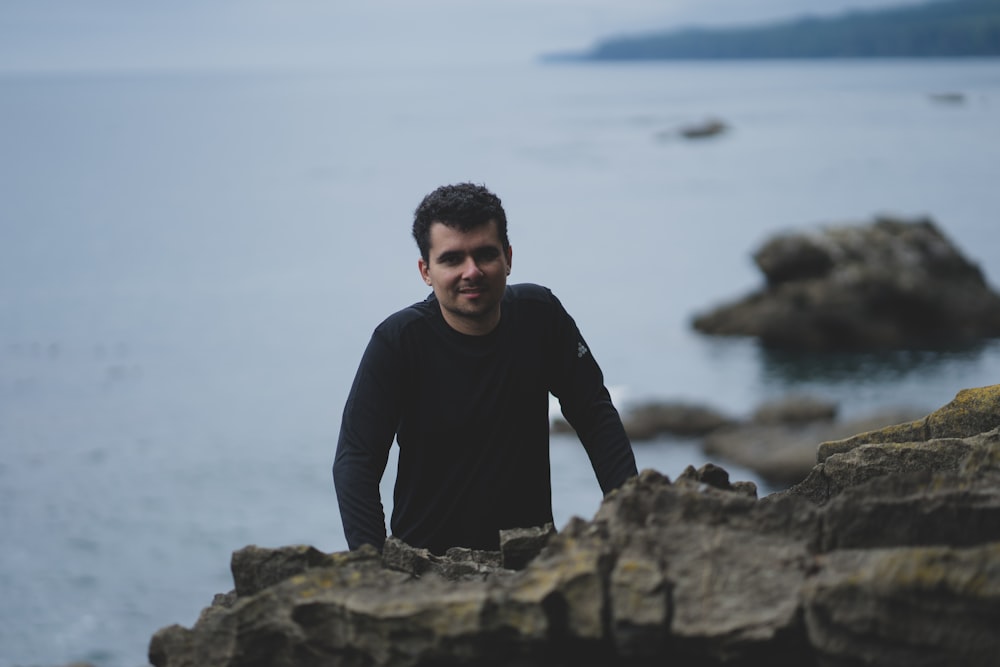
column 471, row 326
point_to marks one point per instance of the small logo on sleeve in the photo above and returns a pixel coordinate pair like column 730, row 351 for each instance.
column 581, row 350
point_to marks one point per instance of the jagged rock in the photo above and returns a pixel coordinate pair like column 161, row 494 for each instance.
column 898, row 568
column 919, row 508
column 778, row 442
column 867, row 462
column 916, row 606
column 964, row 433
column 255, row 568
column 971, row 412
column 889, row 284
column 640, row 597
column 729, row 602
column 456, row 564
column 784, row 453
column 716, row 476
column 519, row 546
column 567, row 583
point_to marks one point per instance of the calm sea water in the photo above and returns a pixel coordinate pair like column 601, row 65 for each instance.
column 191, row 265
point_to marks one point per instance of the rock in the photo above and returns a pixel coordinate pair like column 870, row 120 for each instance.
column 794, row 257
column 896, row 566
column 784, row 453
column 795, row 409
column 717, row 477
column 891, row 284
column 920, row 508
column 648, row 420
column 255, row 569
column 456, row 564
column 972, row 411
column 867, row 462
column 719, row 549
column 640, row 598
column 947, row 98
column 959, row 437
column 567, row 583
column 708, row 128
column 519, row 546
column 888, row 606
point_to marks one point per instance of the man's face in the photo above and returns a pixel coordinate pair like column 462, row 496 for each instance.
column 468, row 272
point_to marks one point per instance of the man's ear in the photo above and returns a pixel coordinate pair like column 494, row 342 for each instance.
column 424, row 273
column 510, row 257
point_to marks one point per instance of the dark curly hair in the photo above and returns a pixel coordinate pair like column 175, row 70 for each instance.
column 462, row 206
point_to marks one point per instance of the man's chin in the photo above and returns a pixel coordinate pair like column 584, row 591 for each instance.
column 474, row 311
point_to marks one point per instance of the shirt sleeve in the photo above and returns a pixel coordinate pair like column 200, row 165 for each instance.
column 367, row 429
column 578, row 383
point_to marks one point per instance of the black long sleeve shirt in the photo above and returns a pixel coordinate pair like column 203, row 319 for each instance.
column 470, row 415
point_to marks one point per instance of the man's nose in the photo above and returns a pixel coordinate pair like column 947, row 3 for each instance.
column 471, row 269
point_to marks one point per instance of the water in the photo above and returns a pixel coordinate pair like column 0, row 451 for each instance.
column 191, row 265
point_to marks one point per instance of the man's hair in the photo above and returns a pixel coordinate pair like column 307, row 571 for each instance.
column 462, row 206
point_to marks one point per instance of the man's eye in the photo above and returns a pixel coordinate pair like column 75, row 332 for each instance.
column 487, row 255
column 450, row 260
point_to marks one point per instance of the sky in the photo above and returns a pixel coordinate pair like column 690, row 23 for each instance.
column 183, row 34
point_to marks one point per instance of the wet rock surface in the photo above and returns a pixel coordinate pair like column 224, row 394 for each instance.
column 890, row 564
column 891, row 284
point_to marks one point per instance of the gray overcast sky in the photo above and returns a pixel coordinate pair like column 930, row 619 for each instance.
column 88, row 34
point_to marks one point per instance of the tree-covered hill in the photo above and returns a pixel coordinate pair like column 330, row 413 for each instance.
column 946, row 28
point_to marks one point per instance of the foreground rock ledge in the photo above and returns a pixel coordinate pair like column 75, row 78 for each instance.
column 900, row 568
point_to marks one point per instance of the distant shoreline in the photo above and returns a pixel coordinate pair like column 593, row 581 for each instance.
column 940, row 29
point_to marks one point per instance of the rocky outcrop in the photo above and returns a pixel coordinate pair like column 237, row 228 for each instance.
column 778, row 441
column 896, row 566
column 955, row 438
column 781, row 447
column 889, row 284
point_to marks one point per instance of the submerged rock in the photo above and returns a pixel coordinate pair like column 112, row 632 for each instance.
column 891, row 284
column 648, row 420
column 869, row 563
column 710, row 127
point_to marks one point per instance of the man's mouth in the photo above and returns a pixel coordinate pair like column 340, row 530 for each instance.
column 472, row 291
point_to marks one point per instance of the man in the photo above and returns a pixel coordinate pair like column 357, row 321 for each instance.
column 462, row 380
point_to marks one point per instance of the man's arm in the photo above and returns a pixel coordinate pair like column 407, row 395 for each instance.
column 600, row 429
column 366, row 433
column 587, row 406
